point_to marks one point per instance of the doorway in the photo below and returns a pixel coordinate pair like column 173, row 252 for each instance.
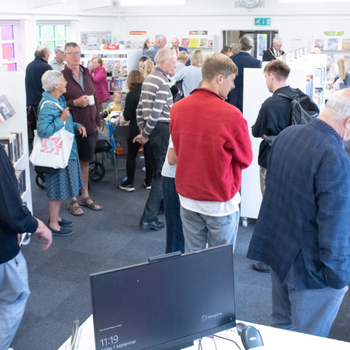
column 262, row 39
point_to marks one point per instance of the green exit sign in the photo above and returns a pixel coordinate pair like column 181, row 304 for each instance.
column 262, row 21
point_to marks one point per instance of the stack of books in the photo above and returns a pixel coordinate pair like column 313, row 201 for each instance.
column 21, row 179
column 13, row 145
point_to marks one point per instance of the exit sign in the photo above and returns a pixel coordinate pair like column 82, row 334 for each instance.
column 262, row 21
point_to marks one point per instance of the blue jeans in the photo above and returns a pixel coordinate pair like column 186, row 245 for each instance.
column 310, row 311
column 200, row 230
column 174, row 234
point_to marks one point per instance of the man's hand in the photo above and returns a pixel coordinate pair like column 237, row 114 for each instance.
column 82, row 131
column 45, row 233
column 140, row 139
column 98, row 129
column 65, row 114
column 82, row 101
column 263, row 136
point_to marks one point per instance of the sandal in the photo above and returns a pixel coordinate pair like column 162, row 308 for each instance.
column 73, row 209
column 92, row 205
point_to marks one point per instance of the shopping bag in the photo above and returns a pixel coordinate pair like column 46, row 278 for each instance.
column 52, row 151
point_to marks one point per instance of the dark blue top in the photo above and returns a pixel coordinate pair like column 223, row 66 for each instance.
column 304, row 220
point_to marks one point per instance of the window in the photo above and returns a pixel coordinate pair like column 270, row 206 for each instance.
column 8, row 48
column 51, row 35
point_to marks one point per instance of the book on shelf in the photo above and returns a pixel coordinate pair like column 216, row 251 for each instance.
column 10, row 141
column 185, row 43
column 19, row 143
column 345, row 44
column 319, row 43
column 194, row 43
column 6, row 110
column 210, row 43
column 332, row 44
column 21, row 180
column 116, row 84
column 203, row 42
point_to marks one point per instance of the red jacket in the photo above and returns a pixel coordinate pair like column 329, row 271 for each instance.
column 212, row 143
column 89, row 116
column 101, row 85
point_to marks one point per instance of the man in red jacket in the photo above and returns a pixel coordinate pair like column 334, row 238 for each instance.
column 212, row 144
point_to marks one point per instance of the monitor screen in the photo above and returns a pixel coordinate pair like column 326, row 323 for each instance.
column 165, row 303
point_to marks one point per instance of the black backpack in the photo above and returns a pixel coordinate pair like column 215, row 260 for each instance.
column 303, row 110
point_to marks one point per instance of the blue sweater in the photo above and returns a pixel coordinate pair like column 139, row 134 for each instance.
column 49, row 120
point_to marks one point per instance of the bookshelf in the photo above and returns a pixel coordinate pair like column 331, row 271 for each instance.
column 13, row 87
column 117, row 63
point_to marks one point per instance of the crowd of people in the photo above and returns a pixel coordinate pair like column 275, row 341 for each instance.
column 194, row 165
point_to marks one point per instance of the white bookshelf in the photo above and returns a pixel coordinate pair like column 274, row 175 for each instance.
column 13, row 87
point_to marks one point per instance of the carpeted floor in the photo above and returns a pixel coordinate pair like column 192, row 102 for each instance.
column 112, row 238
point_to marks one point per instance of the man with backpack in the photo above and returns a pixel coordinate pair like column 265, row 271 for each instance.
column 274, row 116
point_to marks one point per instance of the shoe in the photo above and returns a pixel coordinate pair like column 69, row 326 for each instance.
column 63, row 223
column 147, row 185
column 261, row 267
column 152, row 225
column 63, row 232
column 125, row 187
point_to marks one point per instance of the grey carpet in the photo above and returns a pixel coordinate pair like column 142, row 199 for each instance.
column 111, row 238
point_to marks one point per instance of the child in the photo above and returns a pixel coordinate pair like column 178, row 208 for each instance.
column 116, row 104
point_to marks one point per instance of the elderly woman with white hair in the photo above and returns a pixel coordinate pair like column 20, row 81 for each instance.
column 63, row 183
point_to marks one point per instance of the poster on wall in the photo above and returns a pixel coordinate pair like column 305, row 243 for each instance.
column 92, row 41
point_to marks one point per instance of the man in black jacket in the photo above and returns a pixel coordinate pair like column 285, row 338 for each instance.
column 274, row 116
column 275, row 51
column 15, row 218
column 34, row 72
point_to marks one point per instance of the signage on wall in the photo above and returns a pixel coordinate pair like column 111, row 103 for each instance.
column 334, row 33
column 198, row 32
column 262, row 21
column 142, row 32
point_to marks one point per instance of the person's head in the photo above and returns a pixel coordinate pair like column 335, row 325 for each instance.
column 337, row 113
column 117, row 97
column 43, row 52
column 219, row 73
column 148, row 68
column 236, row 48
column 54, row 82
column 59, row 53
column 276, row 74
column 246, row 42
column 344, row 66
column 329, row 63
column 175, row 43
column 160, row 40
column 315, row 51
column 227, row 50
column 135, row 78
column 96, row 62
column 197, row 58
column 277, row 43
column 183, row 57
column 142, row 59
column 148, row 43
column 72, row 54
column 166, row 60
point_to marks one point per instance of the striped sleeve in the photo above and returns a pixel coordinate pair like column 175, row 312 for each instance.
column 139, row 118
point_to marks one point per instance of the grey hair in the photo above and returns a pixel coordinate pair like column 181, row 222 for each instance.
column 71, row 44
column 246, row 42
column 41, row 51
column 51, row 78
column 159, row 37
column 339, row 104
column 277, row 39
column 164, row 54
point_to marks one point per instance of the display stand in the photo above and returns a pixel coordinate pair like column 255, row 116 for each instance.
column 13, row 87
column 255, row 93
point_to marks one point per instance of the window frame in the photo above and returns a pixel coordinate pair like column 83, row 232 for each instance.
column 5, row 61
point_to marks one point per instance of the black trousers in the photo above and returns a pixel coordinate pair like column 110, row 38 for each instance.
column 159, row 141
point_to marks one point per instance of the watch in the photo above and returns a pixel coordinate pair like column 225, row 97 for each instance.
column 249, row 4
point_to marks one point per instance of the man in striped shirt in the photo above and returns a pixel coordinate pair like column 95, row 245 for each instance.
column 153, row 119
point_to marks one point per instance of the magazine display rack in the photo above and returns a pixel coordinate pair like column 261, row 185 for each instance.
column 13, row 87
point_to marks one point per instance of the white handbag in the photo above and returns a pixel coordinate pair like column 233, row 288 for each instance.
column 52, row 151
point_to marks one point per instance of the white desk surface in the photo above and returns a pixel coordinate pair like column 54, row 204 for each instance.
column 274, row 339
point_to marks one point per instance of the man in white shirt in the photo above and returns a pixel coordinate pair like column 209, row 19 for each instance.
column 58, row 62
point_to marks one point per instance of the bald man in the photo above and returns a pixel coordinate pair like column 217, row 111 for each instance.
column 175, row 46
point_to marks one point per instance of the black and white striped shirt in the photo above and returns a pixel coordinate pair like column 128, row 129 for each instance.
column 155, row 102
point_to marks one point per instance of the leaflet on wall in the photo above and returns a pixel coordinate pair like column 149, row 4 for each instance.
column 92, row 41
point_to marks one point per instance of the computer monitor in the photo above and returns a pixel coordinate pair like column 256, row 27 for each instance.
column 165, row 303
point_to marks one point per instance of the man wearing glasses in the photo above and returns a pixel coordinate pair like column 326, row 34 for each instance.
column 83, row 104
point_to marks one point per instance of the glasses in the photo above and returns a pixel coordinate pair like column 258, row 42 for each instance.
column 73, row 53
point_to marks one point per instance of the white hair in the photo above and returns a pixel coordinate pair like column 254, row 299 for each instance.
column 159, row 37
column 51, row 78
column 277, row 39
column 164, row 54
column 339, row 104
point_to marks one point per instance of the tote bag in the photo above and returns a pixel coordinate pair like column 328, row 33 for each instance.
column 52, row 151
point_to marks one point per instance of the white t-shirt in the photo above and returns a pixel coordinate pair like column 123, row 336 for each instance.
column 169, row 170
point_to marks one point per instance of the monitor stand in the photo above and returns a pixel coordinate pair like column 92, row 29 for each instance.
column 182, row 346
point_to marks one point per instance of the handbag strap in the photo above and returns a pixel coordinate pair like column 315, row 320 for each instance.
column 52, row 103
